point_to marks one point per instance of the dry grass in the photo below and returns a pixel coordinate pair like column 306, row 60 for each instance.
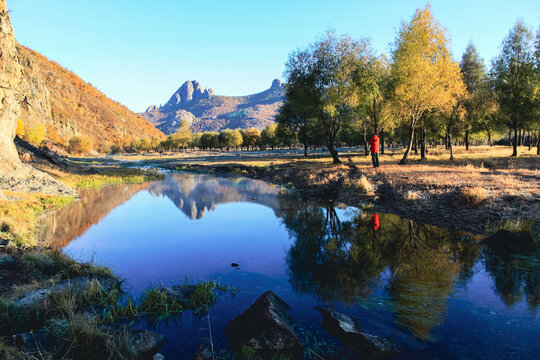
column 472, row 196
column 19, row 218
column 364, row 186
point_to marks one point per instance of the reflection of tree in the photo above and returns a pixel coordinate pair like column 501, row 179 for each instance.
column 515, row 275
column 62, row 226
column 341, row 260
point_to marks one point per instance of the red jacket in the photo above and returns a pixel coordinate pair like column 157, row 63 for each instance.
column 375, row 222
column 374, row 143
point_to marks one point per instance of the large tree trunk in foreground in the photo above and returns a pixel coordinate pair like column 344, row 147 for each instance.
column 451, row 146
column 514, row 151
column 405, row 158
column 333, row 152
column 423, row 143
column 382, row 142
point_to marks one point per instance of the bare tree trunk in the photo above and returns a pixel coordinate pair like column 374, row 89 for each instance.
column 514, row 151
column 451, row 146
column 423, row 142
column 382, row 141
column 364, row 134
column 305, row 149
column 333, row 152
column 405, row 158
column 467, row 139
column 489, row 138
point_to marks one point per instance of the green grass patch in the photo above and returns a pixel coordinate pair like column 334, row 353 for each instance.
column 102, row 180
column 54, row 263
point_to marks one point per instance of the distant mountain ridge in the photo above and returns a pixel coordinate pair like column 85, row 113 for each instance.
column 205, row 111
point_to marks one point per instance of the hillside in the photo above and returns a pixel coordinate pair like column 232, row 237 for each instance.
column 70, row 106
column 208, row 112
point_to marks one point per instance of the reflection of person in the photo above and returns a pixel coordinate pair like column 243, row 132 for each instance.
column 375, row 222
column 374, row 147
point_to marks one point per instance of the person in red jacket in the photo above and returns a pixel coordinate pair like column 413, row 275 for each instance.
column 375, row 222
column 374, row 143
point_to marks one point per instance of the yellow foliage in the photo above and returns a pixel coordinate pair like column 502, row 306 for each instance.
column 20, row 128
column 35, row 134
column 80, row 144
column 427, row 77
column 54, row 135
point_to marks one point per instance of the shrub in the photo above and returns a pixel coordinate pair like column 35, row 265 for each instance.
column 472, row 196
column 35, row 134
column 80, row 144
column 364, row 186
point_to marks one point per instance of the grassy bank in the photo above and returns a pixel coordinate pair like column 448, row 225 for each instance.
column 19, row 214
column 84, row 309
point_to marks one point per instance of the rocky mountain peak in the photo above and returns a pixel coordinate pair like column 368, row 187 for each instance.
column 276, row 84
column 189, row 91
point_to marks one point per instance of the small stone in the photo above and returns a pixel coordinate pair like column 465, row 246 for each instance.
column 349, row 332
column 158, row 356
column 6, row 259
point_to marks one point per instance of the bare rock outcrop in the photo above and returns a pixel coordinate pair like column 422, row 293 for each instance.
column 205, row 111
column 21, row 89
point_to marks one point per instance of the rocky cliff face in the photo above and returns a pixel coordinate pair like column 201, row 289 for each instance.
column 10, row 91
column 21, row 91
column 206, row 112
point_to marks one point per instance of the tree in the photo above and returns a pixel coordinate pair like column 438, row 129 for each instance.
column 514, row 79
column 250, row 137
column 536, row 113
column 80, row 144
column 182, row 136
column 269, row 137
column 209, row 140
column 375, row 83
column 426, row 77
column 230, row 138
column 324, row 74
column 472, row 69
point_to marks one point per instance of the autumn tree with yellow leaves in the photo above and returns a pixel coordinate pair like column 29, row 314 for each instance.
column 427, row 79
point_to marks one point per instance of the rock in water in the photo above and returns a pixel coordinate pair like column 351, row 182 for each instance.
column 6, row 260
column 348, row 331
column 266, row 328
column 145, row 343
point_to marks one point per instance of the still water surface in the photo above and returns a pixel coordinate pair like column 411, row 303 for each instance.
column 438, row 293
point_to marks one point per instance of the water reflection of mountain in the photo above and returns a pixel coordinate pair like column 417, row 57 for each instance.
column 417, row 266
column 195, row 194
column 59, row 228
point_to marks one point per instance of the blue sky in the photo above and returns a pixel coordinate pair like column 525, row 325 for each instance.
column 139, row 52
